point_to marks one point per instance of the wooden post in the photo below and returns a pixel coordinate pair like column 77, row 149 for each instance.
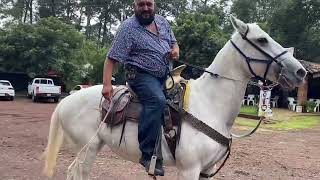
column 303, row 93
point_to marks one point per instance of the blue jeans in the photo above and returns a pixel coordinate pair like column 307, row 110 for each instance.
column 149, row 90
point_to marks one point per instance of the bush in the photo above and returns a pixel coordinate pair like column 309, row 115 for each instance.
column 309, row 106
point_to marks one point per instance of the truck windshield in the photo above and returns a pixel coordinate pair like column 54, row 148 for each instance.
column 5, row 83
column 43, row 81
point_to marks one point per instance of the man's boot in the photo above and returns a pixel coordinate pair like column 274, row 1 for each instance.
column 158, row 171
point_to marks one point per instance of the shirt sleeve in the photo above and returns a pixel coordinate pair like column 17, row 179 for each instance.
column 121, row 45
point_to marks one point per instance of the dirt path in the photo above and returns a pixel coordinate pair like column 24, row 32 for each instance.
column 267, row 155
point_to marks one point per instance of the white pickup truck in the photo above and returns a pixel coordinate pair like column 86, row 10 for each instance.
column 43, row 88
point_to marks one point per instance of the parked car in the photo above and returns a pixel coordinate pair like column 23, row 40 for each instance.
column 43, row 88
column 78, row 88
column 6, row 90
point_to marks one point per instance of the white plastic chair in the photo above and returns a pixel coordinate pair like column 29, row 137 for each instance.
column 274, row 101
column 250, row 98
column 317, row 108
column 244, row 100
column 292, row 103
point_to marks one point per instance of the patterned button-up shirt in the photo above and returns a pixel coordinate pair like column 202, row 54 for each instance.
column 135, row 45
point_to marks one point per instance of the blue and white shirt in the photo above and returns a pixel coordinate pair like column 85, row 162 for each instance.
column 135, row 45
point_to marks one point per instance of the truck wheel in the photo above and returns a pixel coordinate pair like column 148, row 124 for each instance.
column 29, row 95
column 34, row 98
column 56, row 99
column 11, row 98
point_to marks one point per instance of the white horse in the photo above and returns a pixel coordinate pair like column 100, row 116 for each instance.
column 216, row 101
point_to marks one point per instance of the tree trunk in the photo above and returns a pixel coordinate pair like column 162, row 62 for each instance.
column 303, row 93
column 80, row 18
column 53, row 8
column 21, row 6
column 68, row 10
column 100, row 28
column 104, row 28
column 88, row 24
column 26, row 5
column 30, row 10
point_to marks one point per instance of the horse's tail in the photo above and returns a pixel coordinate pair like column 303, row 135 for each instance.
column 55, row 141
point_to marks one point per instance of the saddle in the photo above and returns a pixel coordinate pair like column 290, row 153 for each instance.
column 125, row 106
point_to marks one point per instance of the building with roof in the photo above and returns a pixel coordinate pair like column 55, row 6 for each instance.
column 311, row 87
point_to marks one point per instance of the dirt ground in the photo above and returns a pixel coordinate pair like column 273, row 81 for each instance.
column 266, row 155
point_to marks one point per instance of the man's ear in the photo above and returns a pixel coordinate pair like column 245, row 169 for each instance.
column 238, row 25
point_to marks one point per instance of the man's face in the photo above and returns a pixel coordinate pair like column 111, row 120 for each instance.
column 144, row 11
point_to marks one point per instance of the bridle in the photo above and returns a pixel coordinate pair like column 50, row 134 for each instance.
column 249, row 59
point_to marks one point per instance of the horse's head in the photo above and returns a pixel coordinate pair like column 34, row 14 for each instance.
column 264, row 58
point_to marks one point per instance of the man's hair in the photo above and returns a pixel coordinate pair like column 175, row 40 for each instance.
column 135, row 1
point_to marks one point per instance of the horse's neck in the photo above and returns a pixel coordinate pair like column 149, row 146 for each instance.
column 217, row 101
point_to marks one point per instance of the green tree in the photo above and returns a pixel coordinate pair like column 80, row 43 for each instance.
column 48, row 45
column 296, row 24
column 293, row 23
column 200, row 37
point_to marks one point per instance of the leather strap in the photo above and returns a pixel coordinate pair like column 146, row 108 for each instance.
column 204, row 128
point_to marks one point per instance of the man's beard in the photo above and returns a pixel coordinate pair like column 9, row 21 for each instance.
column 144, row 21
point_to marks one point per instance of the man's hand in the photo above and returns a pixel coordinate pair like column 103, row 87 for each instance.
column 174, row 53
column 107, row 91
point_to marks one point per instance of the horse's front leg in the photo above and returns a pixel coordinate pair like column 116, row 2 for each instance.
column 189, row 174
column 208, row 171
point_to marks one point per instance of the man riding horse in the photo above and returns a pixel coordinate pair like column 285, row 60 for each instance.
column 142, row 43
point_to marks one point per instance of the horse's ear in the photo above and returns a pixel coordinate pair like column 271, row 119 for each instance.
column 238, row 25
column 290, row 50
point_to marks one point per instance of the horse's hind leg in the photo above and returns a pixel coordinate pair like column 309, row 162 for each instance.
column 80, row 169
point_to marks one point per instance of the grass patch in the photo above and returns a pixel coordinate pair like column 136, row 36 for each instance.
column 246, row 122
column 291, row 123
column 250, row 110
column 295, row 123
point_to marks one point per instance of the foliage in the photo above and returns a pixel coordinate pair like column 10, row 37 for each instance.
column 171, row 7
column 309, row 106
column 96, row 57
column 293, row 123
column 250, row 110
column 48, row 45
column 297, row 25
column 199, row 37
column 293, row 23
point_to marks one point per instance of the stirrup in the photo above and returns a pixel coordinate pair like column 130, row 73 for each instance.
column 152, row 166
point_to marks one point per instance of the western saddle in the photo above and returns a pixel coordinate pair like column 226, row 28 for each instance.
column 126, row 107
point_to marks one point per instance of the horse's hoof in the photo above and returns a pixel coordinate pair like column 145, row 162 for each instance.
column 153, row 177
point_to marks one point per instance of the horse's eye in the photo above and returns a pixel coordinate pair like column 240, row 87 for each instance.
column 262, row 40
